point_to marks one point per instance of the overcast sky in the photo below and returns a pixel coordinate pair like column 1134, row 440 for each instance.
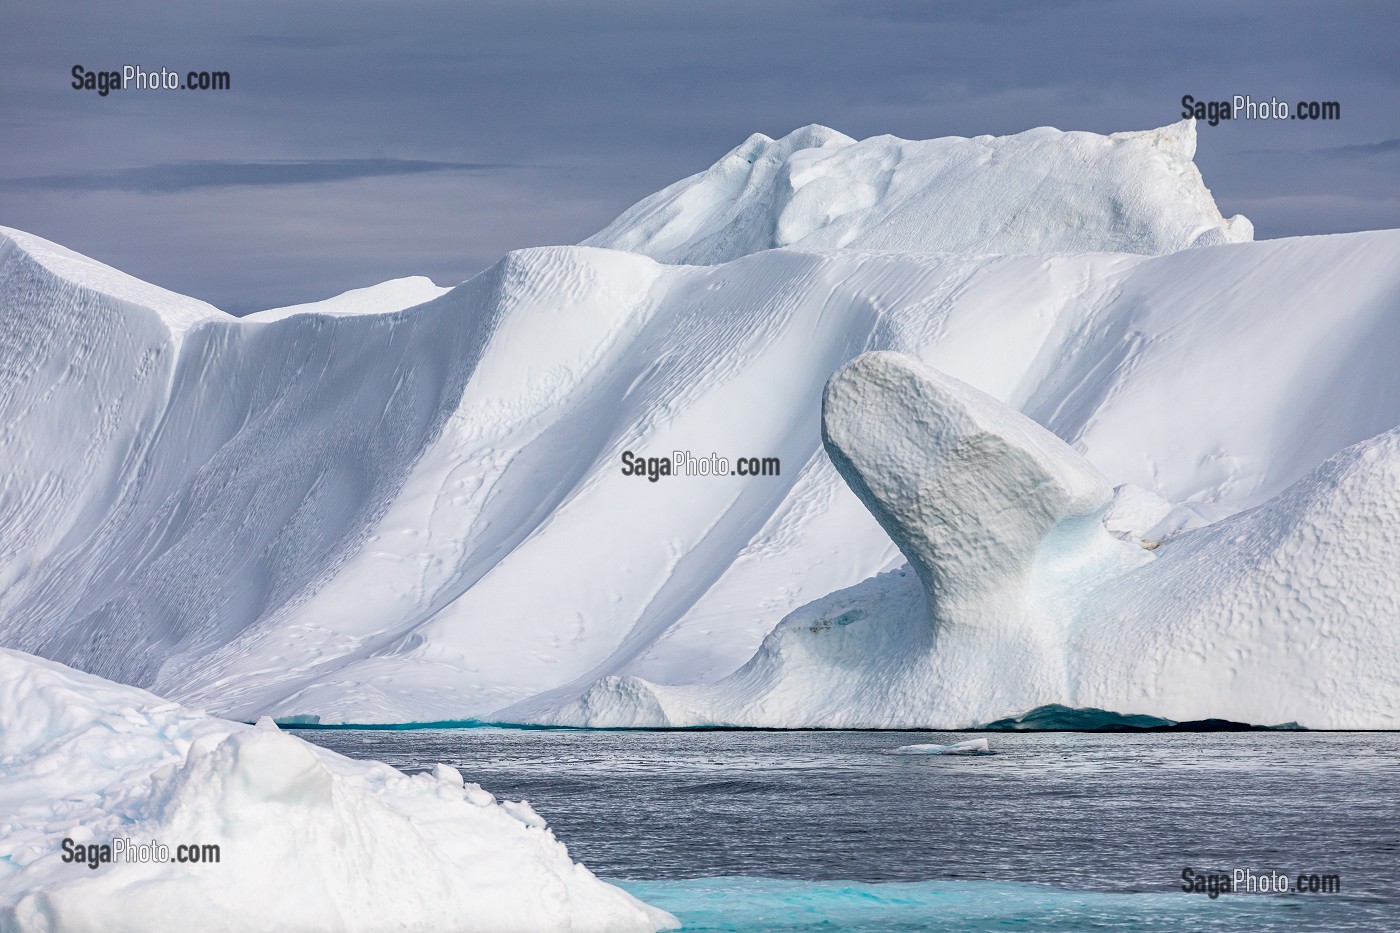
column 367, row 140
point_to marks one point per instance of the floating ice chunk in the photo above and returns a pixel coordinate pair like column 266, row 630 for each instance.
column 970, row 747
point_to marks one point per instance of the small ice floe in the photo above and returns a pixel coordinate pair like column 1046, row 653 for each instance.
column 970, row 747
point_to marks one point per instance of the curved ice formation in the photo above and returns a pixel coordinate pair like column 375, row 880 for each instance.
column 969, row 747
column 1017, row 596
column 1036, row 192
column 967, row 488
column 308, row 839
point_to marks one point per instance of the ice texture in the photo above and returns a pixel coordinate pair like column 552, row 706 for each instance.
column 308, row 840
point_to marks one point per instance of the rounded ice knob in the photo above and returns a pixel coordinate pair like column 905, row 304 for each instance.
column 967, row 487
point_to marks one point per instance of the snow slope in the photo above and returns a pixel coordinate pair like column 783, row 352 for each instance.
column 1036, row 192
column 1017, row 596
column 421, row 514
column 308, row 839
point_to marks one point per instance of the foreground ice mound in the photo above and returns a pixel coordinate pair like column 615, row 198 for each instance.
column 308, row 840
column 970, row 747
column 1037, row 191
column 1018, row 596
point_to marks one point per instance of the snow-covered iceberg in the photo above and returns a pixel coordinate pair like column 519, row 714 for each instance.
column 1017, row 595
column 306, row 839
column 1040, row 191
column 408, row 506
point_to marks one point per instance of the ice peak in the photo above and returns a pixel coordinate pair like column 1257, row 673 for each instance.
column 1039, row 191
column 760, row 145
column 26, row 260
column 1176, row 141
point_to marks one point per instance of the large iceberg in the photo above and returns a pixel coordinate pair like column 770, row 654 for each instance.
column 1016, row 595
column 306, row 839
column 406, row 504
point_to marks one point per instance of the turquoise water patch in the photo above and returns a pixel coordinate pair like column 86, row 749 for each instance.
column 777, row 905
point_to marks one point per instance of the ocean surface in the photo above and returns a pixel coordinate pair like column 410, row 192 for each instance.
column 789, row 831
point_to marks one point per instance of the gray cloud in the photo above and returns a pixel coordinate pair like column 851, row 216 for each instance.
column 190, row 176
column 1384, row 147
column 1364, row 150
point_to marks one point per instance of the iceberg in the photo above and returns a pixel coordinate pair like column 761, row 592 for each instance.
column 405, row 504
column 288, row 836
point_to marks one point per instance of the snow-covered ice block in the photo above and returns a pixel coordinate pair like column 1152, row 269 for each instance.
column 307, row 839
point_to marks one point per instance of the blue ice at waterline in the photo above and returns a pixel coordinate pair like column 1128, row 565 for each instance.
column 779, row 905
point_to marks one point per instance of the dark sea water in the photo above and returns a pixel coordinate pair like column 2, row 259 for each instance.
column 786, row 831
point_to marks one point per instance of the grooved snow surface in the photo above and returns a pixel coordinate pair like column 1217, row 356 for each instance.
column 308, row 839
column 419, row 514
